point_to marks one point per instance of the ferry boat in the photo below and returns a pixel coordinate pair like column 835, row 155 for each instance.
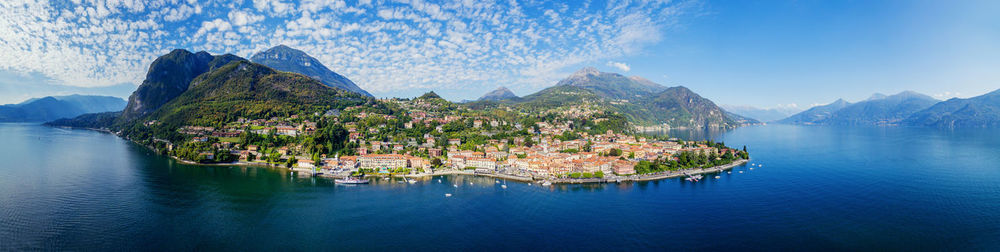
column 351, row 180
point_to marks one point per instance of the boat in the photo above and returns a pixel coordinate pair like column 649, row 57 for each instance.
column 447, row 195
column 729, row 172
column 470, row 183
column 546, row 183
column 411, row 181
column 351, row 180
column 741, row 171
column 718, row 177
column 693, row 178
column 503, row 186
column 456, row 185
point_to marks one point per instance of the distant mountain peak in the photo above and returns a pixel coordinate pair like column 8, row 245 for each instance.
column 586, row 71
column 429, row 95
column 877, row 96
column 288, row 59
column 501, row 93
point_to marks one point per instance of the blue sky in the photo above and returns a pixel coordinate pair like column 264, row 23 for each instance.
column 760, row 53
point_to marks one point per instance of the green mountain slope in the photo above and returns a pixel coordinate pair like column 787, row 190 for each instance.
column 641, row 101
column 167, row 78
column 250, row 90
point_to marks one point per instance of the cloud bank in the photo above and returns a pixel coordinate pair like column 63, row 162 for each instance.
column 381, row 45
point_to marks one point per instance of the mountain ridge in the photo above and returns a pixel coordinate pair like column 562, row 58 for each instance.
column 284, row 58
column 55, row 107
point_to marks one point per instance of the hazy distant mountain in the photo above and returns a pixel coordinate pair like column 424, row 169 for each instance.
column 284, row 58
column 817, row 114
column 977, row 112
column 764, row 115
column 501, row 93
column 641, row 101
column 878, row 109
column 56, row 107
column 881, row 109
column 168, row 77
column 611, row 85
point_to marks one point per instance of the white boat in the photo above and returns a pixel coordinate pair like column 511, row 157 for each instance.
column 351, row 180
column 741, row 171
column 411, row 181
column 546, row 183
column 751, row 168
column 456, row 185
column 718, row 177
column 447, row 195
column 694, row 178
column 729, row 172
column 470, row 183
column 503, row 186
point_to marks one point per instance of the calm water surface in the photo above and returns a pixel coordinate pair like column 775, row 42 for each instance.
column 819, row 189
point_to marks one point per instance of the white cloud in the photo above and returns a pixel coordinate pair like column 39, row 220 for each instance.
column 241, row 18
column 619, row 65
column 409, row 44
column 946, row 95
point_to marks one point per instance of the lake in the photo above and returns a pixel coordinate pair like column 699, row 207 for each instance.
column 820, row 188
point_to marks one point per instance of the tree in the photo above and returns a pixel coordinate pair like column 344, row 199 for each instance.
column 614, row 152
column 436, row 162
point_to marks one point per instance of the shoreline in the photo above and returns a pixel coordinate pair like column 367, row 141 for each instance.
column 616, row 179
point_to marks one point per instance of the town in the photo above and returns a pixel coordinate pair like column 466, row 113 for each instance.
column 433, row 136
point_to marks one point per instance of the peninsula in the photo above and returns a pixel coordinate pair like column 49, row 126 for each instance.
column 223, row 109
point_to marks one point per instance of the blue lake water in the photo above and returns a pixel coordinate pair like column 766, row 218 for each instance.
column 820, row 188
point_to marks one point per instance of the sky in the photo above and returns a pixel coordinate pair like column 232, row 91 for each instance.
column 766, row 54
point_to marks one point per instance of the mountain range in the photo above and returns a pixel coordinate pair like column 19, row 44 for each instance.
column 643, row 102
column 906, row 109
column 977, row 112
column 167, row 78
column 185, row 88
column 55, row 107
column 760, row 114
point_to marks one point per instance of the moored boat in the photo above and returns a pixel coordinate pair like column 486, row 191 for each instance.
column 351, row 180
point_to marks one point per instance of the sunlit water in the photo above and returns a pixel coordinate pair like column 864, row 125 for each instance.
column 819, row 189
